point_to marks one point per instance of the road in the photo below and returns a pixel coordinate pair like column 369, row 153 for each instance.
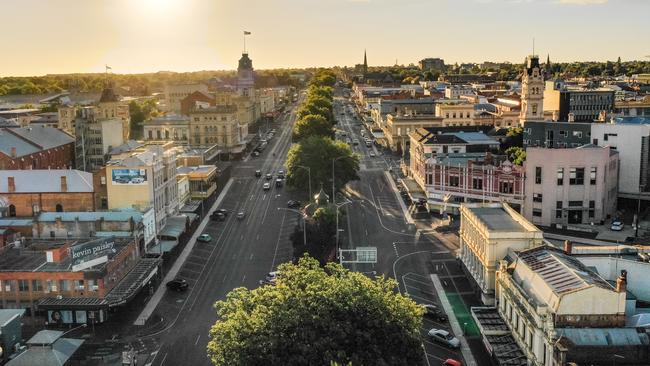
column 240, row 254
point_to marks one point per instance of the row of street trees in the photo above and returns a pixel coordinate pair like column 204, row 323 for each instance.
column 324, row 160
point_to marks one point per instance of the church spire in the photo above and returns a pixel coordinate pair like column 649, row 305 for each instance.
column 365, row 62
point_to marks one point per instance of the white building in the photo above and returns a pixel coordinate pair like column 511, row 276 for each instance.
column 175, row 93
column 487, row 233
column 632, row 141
column 456, row 91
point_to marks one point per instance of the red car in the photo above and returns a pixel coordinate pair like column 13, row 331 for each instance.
column 451, row 362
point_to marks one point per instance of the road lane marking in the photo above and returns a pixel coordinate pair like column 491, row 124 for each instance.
column 258, row 237
column 251, row 257
column 244, row 278
column 197, row 340
column 277, row 243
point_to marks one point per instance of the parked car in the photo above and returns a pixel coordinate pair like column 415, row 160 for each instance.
column 256, row 153
column 372, row 155
column 293, row 204
column 617, row 225
column 205, row 238
column 266, row 186
column 177, row 284
column 451, row 362
column 258, row 173
column 271, row 276
column 218, row 216
column 444, row 337
column 222, row 211
column 434, row 312
column 241, row 215
column 269, row 177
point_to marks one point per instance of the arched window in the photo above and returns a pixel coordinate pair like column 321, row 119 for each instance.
column 12, row 211
column 59, row 207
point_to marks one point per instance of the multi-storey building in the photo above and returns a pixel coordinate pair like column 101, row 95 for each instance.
column 217, row 125
column 632, row 108
column 571, row 186
column 174, row 94
column 577, row 103
column 632, row 142
column 398, row 126
column 95, row 137
column 171, row 127
column 36, row 148
column 457, row 91
column 532, row 91
column 555, row 307
column 455, row 113
column 432, row 64
column 29, row 192
column 556, row 134
column 487, row 233
column 143, row 178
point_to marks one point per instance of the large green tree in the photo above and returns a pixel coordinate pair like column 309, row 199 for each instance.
column 316, row 316
column 308, row 108
column 516, row 155
column 312, row 125
column 320, row 240
column 317, row 152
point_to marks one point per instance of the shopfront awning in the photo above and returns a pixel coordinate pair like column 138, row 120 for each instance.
column 413, row 189
column 191, row 206
column 72, row 303
column 130, row 285
column 163, row 246
column 174, row 227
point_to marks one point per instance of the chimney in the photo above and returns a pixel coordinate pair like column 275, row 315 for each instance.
column 11, row 184
column 13, row 152
column 621, row 282
column 64, row 184
column 568, row 246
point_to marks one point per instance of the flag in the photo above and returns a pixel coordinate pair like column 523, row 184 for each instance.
column 108, row 67
column 246, row 33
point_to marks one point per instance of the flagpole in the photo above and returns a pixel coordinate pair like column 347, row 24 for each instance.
column 244, row 41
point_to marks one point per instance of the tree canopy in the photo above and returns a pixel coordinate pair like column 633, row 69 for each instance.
column 317, row 316
column 517, row 155
column 312, row 125
column 321, row 235
column 317, row 152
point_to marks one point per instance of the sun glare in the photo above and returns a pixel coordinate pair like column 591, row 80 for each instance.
column 159, row 6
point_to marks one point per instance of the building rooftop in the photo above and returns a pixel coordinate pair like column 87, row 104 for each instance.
column 7, row 315
column 604, row 337
column 126, row 147
column 497, row 219
column 168, row 119
column 46, row 180
column 561, row 272
column 91, row 216
column 28, row 140
column 57, row 353
column 216, row 109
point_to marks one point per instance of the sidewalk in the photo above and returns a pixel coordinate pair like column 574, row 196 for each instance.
column 453, row 322
column 160, row 292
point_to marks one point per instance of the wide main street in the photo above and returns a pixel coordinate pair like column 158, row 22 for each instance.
column 240, row 254
column 243, row 251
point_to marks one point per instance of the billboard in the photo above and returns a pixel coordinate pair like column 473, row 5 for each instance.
column 91, row 253
column 129, row 176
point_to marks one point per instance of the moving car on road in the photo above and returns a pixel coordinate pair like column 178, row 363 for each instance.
column 218, row 216
column 266, row 186
column 258, row 173
column 241, row 215
column 293, row 204
column 278, row 182
column 444, row 337
column 281, row 174
column 204, row 238
column 177, row 284
column 451, row 362
column 269, row 177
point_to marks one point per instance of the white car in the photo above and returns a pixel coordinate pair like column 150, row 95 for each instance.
column 617, row 225
column 444, row 337
column 266, row 186
column 372, row 155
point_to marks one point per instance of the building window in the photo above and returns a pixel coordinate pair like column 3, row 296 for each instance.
column 477, row 183
column 150, row 135
column 592, row 176
column 575, row 203
column 454, row 181
column 79, row 285
column 37, row 285
column 537, row 212
column 534, row 109
column 560, row 176
column 558, row 209
column 10, row 285
column 23, row 285
column 538, row 175
column 59, row 207
column 506, row 187
column 577, row 134
column 51, row 285
column 537, row 197
column 592, row 209
column 577, row 176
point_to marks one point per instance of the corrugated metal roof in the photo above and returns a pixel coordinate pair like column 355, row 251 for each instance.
column 91, row 216
column 604, row 336
column 46, row 137
column 46, row 180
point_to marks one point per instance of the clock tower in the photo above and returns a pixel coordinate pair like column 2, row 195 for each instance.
column 532, row 91
column 245, row 79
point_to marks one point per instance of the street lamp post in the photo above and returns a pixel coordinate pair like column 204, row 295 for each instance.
column 304, row 223
column 337, row 225
column 309, row 177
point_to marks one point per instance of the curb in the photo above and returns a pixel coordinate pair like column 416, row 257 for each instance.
column 453, row 322
column 160, row 292
column 405, row 211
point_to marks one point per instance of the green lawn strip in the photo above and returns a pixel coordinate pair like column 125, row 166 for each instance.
column 462, row 314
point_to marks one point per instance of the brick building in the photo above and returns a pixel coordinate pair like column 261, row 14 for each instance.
column 189, row 102
column 35, row 148
column 73, row 282
column 28, row 192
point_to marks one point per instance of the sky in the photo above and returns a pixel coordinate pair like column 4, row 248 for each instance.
column 132, row 36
